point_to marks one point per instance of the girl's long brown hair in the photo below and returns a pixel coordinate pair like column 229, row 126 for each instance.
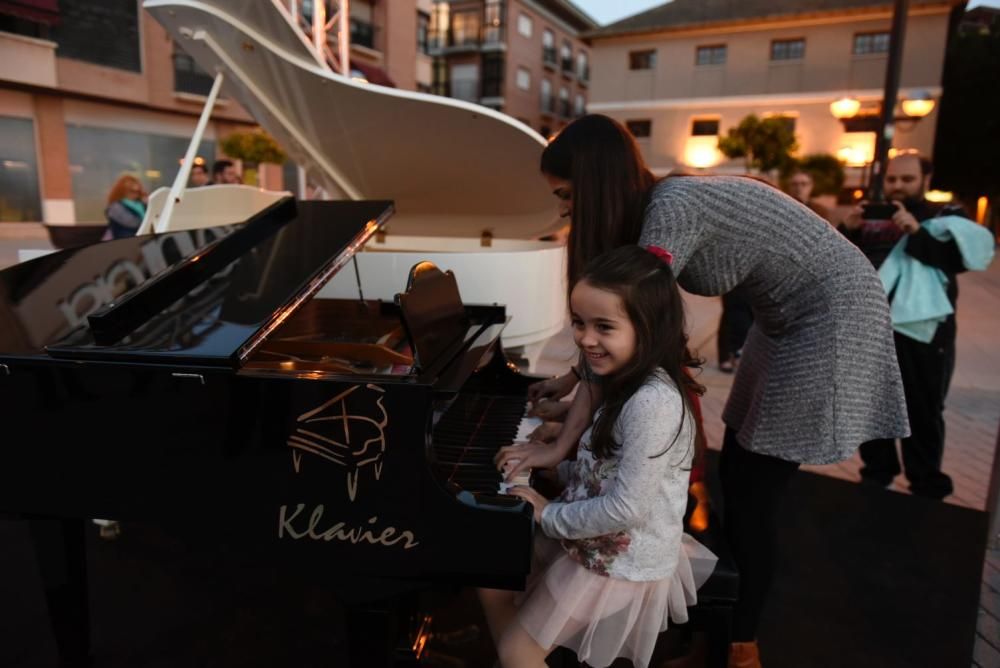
column 648, row 290
column 610, row 183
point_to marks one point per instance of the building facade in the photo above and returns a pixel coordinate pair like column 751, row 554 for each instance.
column 682, row 74
column 91, row 90
column 522, row 57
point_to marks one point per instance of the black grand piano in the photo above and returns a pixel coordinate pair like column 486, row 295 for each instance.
column 192, row 375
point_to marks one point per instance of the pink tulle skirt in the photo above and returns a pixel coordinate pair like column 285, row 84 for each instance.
column 603, row 618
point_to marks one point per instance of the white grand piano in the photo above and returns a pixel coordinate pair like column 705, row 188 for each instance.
column 464, row 179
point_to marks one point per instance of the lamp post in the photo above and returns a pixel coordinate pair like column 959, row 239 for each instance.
column 883, row 125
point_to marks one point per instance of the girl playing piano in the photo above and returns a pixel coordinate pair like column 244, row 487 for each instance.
column 614, row 564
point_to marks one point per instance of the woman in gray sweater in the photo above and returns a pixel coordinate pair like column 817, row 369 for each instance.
column 818, row 375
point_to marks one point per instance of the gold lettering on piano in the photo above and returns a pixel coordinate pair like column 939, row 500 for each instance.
column 313, row 530
column 349, row 436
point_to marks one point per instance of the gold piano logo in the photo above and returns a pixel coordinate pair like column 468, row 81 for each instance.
column 345, row 434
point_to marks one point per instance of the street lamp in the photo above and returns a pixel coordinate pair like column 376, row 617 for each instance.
column 845, row 107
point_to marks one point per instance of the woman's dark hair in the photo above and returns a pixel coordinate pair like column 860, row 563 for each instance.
column 610, row 183
column 646, row 285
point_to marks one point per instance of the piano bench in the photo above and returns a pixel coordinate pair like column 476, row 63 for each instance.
column 717, row 598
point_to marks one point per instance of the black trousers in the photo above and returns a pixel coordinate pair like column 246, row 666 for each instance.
column 926, row 369
column 737, row 317
column 752, row 486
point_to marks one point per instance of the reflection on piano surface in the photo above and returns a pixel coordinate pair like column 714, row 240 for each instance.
column 347, row 432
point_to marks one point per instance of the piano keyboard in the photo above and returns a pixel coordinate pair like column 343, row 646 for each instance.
column 468, row 435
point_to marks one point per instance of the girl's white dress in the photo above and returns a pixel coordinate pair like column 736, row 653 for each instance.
column 614, row 566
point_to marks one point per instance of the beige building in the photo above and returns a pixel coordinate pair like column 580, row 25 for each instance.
column 90, row 90
column 680, row 75
column 521, row 57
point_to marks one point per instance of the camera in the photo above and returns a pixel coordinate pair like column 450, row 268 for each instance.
column 878, row 211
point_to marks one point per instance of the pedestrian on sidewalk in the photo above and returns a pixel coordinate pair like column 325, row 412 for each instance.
column 126, row 207
column 924, row 266
column 818, row 375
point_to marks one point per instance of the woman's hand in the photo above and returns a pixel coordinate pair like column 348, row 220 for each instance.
column 546, row 432
column 550, row 411
column 552, row 388
column 514, row 459
column 537, row 501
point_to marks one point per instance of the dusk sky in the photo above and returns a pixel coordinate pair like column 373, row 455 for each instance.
column 608, row 11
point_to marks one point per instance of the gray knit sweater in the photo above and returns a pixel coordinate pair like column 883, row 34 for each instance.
column 818, row 375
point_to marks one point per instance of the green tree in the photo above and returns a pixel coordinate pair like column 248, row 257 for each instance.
column 764, row 144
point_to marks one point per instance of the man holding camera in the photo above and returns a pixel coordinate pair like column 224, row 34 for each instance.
column 926, row 367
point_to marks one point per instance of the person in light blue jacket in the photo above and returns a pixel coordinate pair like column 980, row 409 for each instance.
column 919, row 253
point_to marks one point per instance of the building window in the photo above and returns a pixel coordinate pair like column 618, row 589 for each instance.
column 582, row 67
column 362, row 33
column 523, row 78
column 423, row 32
column 642, row 60
column 188, row 77
column 440, row 84
column 788, row 49
column 704, row 127
column 492, row 75
column 871, row 42
column 579, row 105
column 440, row 19
column 566, row 56
column 493, row 22
column 548, row 48
column 98, row 156
column 564, row 109
column 525, row 25
column 641, row 128
column 464, row 28
column 464, row 84
column 548, row 102
column 103, row 33
column 710, row 55
column 19, row 195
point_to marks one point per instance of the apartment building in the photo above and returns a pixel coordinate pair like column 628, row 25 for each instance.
column 681, row 74
column 90, row 90
column 522, row 57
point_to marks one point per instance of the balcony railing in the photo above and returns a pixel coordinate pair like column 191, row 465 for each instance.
column 548, row 104
column 567, row 66
column 549, row 57
column 564, row 108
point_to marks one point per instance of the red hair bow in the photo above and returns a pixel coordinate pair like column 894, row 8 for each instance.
column 662, row 253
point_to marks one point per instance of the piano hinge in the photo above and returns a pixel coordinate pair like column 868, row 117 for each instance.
column 5, row 369
column 486, row 238
column 380, row 236
column 197, row 376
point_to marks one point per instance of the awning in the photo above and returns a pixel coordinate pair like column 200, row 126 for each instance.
column 39, row 11
column 373, row 73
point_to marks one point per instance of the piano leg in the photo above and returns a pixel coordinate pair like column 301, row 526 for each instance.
column 60, row 548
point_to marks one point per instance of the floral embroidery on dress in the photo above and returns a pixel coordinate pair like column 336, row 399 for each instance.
column 587, row 480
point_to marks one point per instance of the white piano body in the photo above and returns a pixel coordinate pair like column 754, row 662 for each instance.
column 465, row 179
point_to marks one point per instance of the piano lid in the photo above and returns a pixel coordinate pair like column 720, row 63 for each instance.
column 204, row 297
column 452, row 168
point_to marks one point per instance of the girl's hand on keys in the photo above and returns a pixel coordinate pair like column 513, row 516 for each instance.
column 546, row 432
column 553, row 388
column 537, row 501
column 550, row 411
column 513, row 459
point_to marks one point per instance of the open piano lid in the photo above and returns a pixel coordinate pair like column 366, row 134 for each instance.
column 453, row 168
column 214, row 306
